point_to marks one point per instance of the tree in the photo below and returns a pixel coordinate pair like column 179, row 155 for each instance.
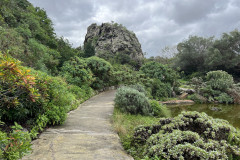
column 160, row 71
column 192, row 54
column 225, row 53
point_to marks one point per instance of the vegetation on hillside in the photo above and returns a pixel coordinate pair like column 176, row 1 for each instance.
column 42, row 77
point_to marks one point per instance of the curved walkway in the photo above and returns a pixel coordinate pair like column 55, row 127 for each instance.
column 86, row 135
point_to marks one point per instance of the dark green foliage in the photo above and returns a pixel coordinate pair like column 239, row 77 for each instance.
column 138, row 87
column 122, row 58
column 224, row 54
column 16, row 144
column 224, row 98
column 28, row 34
column 161, row 72
column 132, row 101
column 65, row 50
column 198, row 54
column 76, row 72
column 102, row 72
column 192, row 54
column 190, row 135
column 219, row 80
column 89, row 49
column 218, row 87
column 165, row 79
column 160, row 90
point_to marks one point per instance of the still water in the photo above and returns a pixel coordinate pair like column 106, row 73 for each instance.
column 230, row 113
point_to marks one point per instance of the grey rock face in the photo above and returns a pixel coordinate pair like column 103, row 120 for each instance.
column 113, row 38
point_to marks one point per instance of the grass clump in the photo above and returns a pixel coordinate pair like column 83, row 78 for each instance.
column 125, row 123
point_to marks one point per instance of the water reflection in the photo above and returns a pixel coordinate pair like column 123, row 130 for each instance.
column 230, row 113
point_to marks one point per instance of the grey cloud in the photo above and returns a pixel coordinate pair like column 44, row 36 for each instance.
column 157, row 23
column 188, row 11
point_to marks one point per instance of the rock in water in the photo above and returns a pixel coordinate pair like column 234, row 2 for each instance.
column 112, row 38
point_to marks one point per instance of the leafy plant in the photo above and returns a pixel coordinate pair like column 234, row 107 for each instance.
column 76, row 72
column 224, row 98
column 138, row 87
column 190, row 135
column 102, row 72
column 159, row 110
column 132, row 101
column 19, row 96
column 219, row 80
column 160, row 90
column 16, row 145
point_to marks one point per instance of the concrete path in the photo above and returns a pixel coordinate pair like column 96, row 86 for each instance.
column 86, row 135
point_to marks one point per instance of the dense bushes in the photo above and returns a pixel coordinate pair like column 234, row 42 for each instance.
column 159, row 71
column 190, row 135
column 14, row 145
column 198, row 54
column 76, row 72
column 132, row 101
column 160, row 90
column 219, row 80
column 102, row 71
column 165, row 79
column 218, row 87
column 34, row 99
column 92, row 71
column 19, row 97
column 28, row 34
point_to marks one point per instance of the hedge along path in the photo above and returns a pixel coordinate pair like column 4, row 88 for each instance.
column 87, row 134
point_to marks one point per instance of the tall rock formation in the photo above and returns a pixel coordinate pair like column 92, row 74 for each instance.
column 112, row 39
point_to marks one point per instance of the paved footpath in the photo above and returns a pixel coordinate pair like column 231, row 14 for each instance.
column 87, row 134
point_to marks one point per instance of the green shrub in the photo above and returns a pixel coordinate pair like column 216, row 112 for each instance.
column 160, row 90
column 219, row 80
column 102, row 72
column 35, row 98
column 19, row 98
column 162, row 72
column 15, row 145
column 76, row 72
column 224, row 98
column 58, row 98
column 138, row 87
column 132, row 101
column 190, row 135
column 159, row 110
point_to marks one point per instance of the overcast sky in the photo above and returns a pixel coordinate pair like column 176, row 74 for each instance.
column 157, row 23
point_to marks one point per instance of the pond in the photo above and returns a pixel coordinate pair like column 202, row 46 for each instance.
column 231, row 113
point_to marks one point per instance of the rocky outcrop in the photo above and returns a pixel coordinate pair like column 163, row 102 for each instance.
column 110, row 38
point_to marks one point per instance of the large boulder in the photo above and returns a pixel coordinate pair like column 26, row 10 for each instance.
column 112, row 38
